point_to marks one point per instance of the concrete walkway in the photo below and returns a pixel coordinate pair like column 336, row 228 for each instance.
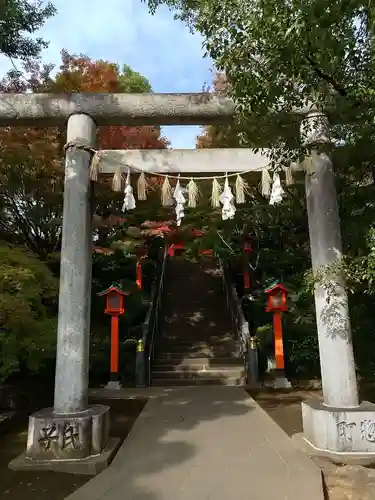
column 205, row 443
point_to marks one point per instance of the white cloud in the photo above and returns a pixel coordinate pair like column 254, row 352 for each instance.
column 123, row 31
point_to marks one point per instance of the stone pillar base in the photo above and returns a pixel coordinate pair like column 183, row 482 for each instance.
column 279, row 380
column 76, row 443
column 340, row 431
column 113, row 385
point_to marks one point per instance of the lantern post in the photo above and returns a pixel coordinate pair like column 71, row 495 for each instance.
column 247, row 249
column 115, row 307
column 141, row 255
column 277, row 304
column 138, row 273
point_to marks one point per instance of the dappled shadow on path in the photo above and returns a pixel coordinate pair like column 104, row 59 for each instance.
column 197, row 441
column 182, row 430
column 170, row 444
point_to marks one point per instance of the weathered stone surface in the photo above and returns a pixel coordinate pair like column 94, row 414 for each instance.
column 68, row 436
column 116, row 109
column 113, row 385
column 340, row 430
column 89, row 466
column 184, row 160
column 281, row 383
column 55, row 441
column 331, row 302
column 73, row 331
column 121, row 109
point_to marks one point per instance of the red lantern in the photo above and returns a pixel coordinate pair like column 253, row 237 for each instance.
column 277, row 304
column 115, row 306
column 247, row 248
column 276, row 298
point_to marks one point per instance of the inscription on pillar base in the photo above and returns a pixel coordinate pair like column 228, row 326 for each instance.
column 77, row 443
column 339, row 430
column 69, row 436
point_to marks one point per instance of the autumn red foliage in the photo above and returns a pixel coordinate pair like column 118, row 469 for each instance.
column 31, row 159
column 81, row 74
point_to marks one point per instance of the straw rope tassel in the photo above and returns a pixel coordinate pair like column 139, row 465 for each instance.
column 193, row 193
column 289, row 180
column 117, row 181
column 266, row 182
column 166, row 193
column 241, row 189
column 129, row 200
column 142, row 187
column 308, row 164
column 95, row 167
column 215, row 194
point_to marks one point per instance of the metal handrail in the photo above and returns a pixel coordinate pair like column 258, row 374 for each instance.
column 157, row 310
column 248, row 348
column 239, row 323
column 145, row 347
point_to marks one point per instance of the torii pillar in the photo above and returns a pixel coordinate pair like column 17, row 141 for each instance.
column 340, row 425
column 72, row 436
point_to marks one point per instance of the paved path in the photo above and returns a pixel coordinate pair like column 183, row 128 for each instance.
column 205, row 443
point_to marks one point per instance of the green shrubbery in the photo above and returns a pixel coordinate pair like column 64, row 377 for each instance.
column 28, row 313
column 28, row 301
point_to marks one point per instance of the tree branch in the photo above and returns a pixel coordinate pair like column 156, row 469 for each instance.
column 328, row 78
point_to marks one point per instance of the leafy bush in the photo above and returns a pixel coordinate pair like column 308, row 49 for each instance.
column 28, row 298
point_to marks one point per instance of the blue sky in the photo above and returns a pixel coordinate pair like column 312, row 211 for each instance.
column 123, row 31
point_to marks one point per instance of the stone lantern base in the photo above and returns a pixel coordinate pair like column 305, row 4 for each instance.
column 77, row 443
column 345, row 435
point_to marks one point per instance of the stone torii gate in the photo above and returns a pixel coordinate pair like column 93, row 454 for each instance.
column 74, row 436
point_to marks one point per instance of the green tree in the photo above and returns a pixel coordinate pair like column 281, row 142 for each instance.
column 28, row 303
column 18, row 20
column 278, row 55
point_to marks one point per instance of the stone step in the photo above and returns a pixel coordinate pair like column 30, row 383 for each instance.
column 180, row 361
column 175, row 355
column 192, row 354
column 195, row 344
column 202, row 337
column 225, row 372
column 172, row 382
column 196, row 341
column 195, row 353
column 210, row 352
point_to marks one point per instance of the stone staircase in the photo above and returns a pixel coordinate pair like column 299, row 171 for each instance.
column 196, row 344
